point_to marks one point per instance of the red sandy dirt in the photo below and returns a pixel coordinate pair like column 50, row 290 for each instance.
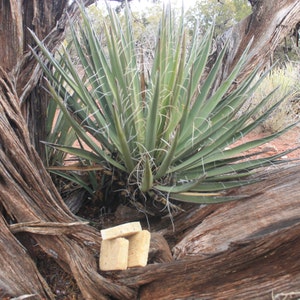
column 287, row 141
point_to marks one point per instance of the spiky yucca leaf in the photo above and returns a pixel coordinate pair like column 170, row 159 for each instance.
column 163, row 133
column 58, row 129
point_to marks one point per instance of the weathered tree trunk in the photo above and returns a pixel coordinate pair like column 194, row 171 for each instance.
column 14, row 263
column 264, row 29
column 30, row 201
column 48, row 20
column 45, row 19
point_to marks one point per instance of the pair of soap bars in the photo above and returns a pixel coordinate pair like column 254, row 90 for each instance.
column 124, row 246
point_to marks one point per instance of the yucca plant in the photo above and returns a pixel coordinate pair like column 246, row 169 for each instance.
column 160, row 133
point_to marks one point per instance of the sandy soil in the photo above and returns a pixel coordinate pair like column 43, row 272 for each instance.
column 289, row 140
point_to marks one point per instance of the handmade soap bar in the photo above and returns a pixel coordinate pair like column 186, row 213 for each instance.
column 114, row 254
column 121, row 230
column 139, row 244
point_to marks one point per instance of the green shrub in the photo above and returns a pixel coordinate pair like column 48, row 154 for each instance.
column 157, row 132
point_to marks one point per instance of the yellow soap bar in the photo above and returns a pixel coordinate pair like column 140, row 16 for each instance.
column 139, row 245
column 121, row 230
column 114, row 254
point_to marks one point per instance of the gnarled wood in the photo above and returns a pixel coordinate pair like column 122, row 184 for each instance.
column 48, row 20
column 265, row 28
column 275, row 205
column 15, row 262
column 28, row 195
column 252, row 269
